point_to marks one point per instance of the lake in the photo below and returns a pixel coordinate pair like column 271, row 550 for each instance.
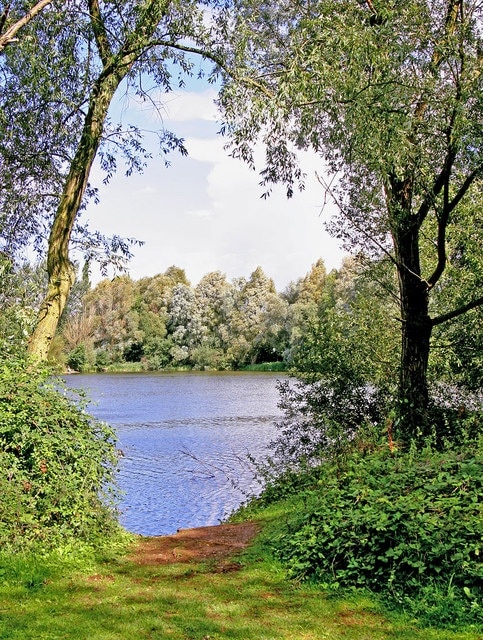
column 185, row 439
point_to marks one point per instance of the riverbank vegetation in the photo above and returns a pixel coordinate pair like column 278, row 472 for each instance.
column 57, row 464
column 113, row 597
column 352, row 519
column 374, row 483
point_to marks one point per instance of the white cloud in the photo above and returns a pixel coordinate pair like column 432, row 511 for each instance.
column 200, row 213
column 205, row 212
column 177, row 106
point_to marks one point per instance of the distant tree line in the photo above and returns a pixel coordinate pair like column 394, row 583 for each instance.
column 323, row 325
column 164, row 322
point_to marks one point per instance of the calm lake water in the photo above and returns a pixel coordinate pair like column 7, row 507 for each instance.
column 185, row 438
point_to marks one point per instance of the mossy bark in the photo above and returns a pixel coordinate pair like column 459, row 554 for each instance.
column 115, row 67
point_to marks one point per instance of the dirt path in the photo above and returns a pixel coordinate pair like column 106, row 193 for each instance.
column 217, row 543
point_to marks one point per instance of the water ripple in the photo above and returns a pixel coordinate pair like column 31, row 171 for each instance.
column 185, row 441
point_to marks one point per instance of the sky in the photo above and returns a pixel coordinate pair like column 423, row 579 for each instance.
column 205, row 212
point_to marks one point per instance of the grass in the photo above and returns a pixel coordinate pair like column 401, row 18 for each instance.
column 266, row 366
column 113, row 598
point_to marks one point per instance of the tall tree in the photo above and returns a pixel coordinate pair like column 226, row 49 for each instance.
column 256, row 321
column 110, row 44
column 391, row 97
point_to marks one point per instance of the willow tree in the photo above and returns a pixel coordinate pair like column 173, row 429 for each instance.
column 111, row 43
column 391, row 97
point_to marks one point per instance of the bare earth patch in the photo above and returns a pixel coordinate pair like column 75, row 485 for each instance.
column 196, row 545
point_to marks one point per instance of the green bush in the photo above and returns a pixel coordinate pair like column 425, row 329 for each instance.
column 405, row 525
column 77, row 358
column 56, row 463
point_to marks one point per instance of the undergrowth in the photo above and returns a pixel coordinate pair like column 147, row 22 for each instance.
column 406, row 526
column 57, row 464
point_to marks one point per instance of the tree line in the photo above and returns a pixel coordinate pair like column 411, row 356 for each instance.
column 336, row 324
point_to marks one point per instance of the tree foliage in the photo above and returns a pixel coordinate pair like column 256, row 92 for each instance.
column 163, row 321
column 390, row 97
column 60, row 79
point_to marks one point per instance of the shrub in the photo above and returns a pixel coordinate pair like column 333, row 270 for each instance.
column 406, row 525
column 321, row 419
column 77, row 358
column 56, row 463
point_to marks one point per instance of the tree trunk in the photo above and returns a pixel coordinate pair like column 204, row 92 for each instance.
column 115, row 68
column 413, row 393
column 60, row 269
column 416, row 325
column 60, row 284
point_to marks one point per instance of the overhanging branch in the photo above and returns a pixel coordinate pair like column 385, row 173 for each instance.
column 457, row 312
column 218, row 60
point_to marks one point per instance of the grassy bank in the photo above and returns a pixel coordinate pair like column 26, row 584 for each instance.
column 139, row 367
column 113, row 598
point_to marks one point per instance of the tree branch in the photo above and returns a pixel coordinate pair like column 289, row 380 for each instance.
column 457, row 312
column 11, row 32
column 438, row 185
column 464, row 188
column 448, row 207
column 218, row 60
column 100, row 33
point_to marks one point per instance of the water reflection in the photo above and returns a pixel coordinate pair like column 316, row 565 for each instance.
column 185, row 438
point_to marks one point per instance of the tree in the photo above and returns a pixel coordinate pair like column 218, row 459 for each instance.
column 110, row 45
column 184, row 322
column 391, row 99
column 256, row 321
column 214, row 303
column 113, row 319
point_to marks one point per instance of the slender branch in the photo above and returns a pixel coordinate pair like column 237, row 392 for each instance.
column 448, row 207
column 371, row 6
column 357, row 226
column 441, row 239
column 438, row 185
column 457, row 312
column 218, row 60
column 11, row 32
column 464, row 188
column 100, row 33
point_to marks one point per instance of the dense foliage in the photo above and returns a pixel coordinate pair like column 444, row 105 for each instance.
column 56, row 464
column 163, row 322
column 389, row 97
column 404, row 525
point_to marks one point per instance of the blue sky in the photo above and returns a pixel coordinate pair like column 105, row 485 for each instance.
column 204, row 212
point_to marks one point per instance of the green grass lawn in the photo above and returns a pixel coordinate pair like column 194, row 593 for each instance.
column 117, row 599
